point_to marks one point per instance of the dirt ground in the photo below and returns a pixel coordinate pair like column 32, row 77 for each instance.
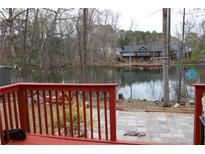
column 148, row 106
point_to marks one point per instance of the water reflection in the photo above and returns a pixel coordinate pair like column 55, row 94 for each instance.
column 134, row 83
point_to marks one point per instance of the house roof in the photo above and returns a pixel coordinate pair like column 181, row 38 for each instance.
column 149, row 48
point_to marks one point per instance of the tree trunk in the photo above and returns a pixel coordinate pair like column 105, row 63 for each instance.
column 34, row 45
column 180, row 60
column 11, row 34
column 84, row 47
column 25, row 37
column 85, row 15
column 166, row 33
column 49, row 33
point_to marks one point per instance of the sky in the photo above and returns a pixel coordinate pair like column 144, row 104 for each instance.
column 145, row 19
column 150, row 19
column 142, row 18
column 145, row 14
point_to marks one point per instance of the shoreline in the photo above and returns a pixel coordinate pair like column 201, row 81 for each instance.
column 151, row 65
column 124, row 65
column 148, row 106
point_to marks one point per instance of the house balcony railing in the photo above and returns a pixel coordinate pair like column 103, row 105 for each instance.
column 73, row 111
column 59, row 110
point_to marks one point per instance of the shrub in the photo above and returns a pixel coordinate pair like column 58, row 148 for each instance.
column 198, row 56
column 74, row 120
column 35, row 62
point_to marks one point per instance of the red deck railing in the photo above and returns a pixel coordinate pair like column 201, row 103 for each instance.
column 59, row 109
column 199, row 90
column 62, row 110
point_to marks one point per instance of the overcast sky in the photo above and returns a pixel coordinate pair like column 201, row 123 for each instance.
column 146, row 14
column 144, row 19
column 150, row 19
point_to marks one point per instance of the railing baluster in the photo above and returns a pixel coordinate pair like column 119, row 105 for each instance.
column 70, row 112
column 112, row 115
column 64, row 114
column 45, row 112
column 91, row 115
column 51, row 112
column 10, row 113
column 15, row 110
column 6, row 118
column 33, row 113
column 105, row 112
column 1, row 129
column 78, row 113
column 57, row 111
column 84, row 115
column 98, row 114
column 27, row 109
column 39, row 111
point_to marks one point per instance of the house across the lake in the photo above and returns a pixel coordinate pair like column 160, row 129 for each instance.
column 149, row 52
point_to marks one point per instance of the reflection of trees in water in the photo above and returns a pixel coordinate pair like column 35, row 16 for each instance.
column 150, row 76
column 139, row 75
column 187, row 91
column 35, row 75
column 153, row 93
column 93, row 75
column 152, row 83
column 184, row 94
column 123, row 76
column 134, row 75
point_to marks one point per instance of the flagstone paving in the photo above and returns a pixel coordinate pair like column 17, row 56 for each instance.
column 168, row 128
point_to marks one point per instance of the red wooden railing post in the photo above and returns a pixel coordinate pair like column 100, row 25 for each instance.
column 197, row 113
column 23, row 110
column 112, row 115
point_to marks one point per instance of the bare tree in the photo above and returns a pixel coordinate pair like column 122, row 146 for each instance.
column 85, row 16
column 25, row 36
column 11, row 33
column 181, row 56
column 46, row 36
column 50, row 31
column 133, row 25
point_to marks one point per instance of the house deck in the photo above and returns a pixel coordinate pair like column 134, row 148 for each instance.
column 33, row 139
column 47, row 122
column 48, row 140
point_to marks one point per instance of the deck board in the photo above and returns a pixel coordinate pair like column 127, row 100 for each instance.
column 33, row 139
column 43, row 140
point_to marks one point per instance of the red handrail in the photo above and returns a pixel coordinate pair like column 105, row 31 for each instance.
column 23, row 101
column 199, row 90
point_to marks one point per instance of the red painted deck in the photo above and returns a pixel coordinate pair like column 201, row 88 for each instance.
column 42, row 140
column 32, row 139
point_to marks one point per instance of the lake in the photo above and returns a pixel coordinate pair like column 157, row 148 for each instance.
column 133, row 82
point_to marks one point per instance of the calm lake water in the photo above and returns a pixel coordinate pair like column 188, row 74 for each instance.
column 134, row 82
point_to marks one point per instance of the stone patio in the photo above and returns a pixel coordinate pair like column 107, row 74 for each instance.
column 168, row 128
column 162, row 127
